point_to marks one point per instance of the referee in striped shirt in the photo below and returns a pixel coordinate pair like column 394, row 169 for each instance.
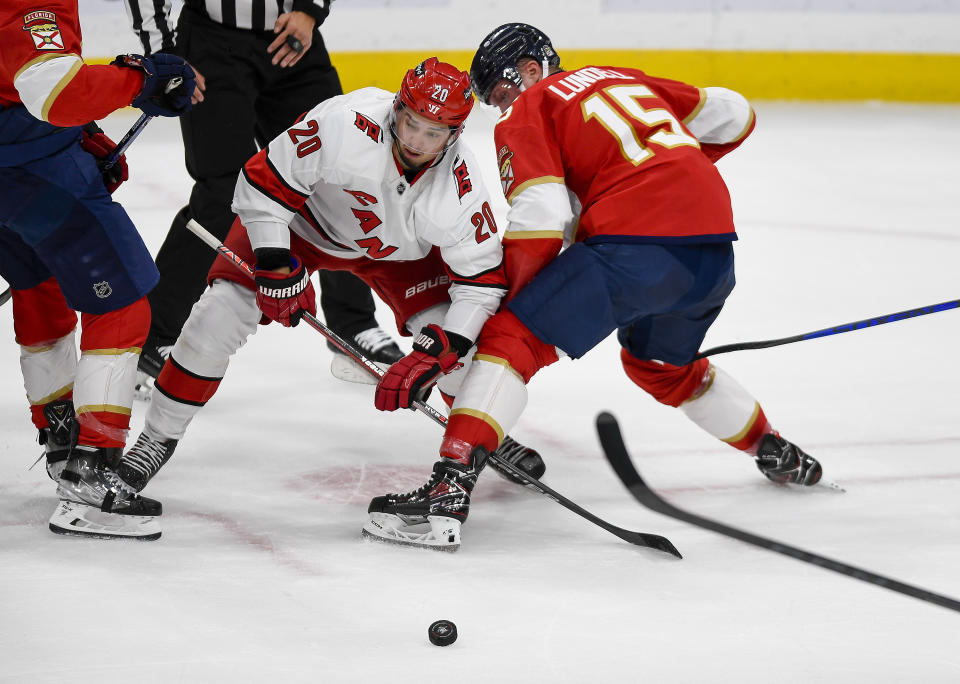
column 262, row 64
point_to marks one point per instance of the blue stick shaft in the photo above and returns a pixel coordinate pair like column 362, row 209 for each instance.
column 125, row 142
column 835, row 330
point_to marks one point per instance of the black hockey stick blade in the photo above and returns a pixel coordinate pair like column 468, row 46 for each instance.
column 652, row 541
column 615, row 450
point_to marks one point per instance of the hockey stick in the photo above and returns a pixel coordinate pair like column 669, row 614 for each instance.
column 110, row 160
column 653, row 541
column 5, row 295
column 836, row 330
column 615, row 450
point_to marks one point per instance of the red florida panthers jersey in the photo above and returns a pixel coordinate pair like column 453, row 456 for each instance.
column 41, row 66
column 623, row 144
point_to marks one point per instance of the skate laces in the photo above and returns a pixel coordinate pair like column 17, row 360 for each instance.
column 146, row 456
column 511, row 450
column 373, row 339
column 435, row 477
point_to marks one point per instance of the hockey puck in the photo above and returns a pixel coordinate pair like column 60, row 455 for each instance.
column 442, row 633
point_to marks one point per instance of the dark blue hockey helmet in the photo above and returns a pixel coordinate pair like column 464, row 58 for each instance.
column 500, row 51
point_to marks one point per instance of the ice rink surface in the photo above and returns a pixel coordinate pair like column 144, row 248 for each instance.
column 844, row 212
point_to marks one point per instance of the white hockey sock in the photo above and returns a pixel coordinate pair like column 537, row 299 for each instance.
column 725, row 409
column 49, row 371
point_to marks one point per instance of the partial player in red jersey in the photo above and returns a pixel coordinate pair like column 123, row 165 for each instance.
column 618, row 221
column 65, row 246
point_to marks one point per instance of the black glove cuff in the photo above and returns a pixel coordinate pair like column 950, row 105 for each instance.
column 270, row 258
column 318, row 10
column 460, row 344
column 92, row 128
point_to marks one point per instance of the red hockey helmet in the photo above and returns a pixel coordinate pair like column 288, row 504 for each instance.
column 438, row 92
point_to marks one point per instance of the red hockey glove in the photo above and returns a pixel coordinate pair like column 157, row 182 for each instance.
column 96, row 142
column 284, row 297
column 413, row 375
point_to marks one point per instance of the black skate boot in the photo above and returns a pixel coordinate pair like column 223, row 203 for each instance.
column 430, row 516
column 93, row 504
column 152, row 358
column 142, row 461
column 59, row 438
column 784, row 462
column 524, row 458
column 376, row 344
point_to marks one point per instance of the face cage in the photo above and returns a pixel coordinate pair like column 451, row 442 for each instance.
column 399, row 106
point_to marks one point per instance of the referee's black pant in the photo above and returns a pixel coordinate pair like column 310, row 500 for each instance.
column 248, row 101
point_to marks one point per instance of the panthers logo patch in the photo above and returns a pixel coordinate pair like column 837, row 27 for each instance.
column 44, row 31
column 505, row 162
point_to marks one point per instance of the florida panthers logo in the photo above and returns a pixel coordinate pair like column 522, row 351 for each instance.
column 43, row 30
column 505, row 162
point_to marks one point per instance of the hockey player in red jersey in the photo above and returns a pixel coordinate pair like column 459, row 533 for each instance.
column 616, row 166
column 371, row 182
column 65, row 246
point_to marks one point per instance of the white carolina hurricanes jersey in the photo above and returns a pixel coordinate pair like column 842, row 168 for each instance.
column 332, row 179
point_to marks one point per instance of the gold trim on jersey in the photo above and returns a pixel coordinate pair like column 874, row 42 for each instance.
column 43, row 58
column 705, row 385
column 104, row 408
column 533, row 235
column 500, row 362
column 746, row 127
column 57, row 89
column 479, row 415
column 111, row 352
column 696, row 110
column 53, row 396
column 533, row 181
column 743, row 433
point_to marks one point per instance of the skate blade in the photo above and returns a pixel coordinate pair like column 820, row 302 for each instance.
column 79, row 519
column 143, row 390
column 344, row 368
column 819, row 486
column 438, row 534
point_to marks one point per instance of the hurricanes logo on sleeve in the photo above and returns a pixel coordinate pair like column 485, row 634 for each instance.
column 505, row 162
column 462, row 176
column 43, row 28
column 367, row 126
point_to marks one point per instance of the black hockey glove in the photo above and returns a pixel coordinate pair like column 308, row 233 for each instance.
column 168, row 83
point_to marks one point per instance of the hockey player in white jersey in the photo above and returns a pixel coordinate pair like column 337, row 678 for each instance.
column 371, row 182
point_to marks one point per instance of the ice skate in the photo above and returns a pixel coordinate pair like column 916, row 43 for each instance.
column 142, row 461
column 152, row 358
column 376, row 344
column 58, row 439
column 524, row 458
column 93, row 504
column 785, row 463
column 430, row 516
